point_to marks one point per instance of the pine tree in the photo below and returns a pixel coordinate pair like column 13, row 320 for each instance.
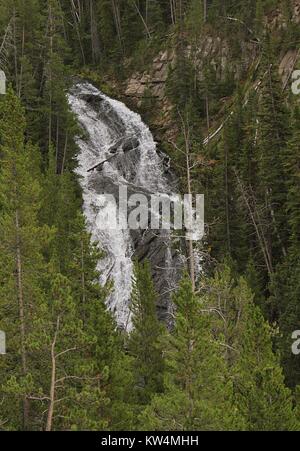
column 154, row 18
column 259, row 14
column 60, row 210
column 297, row 410
column 56, row 118
column 145, row 340
column 260, row 393
column 285, row 286
column 292, row 166
column 195, row 18
column 273, row 134
column 285, row 291
column 198, row 394
column 23, row 240
column 107, row 351
column 262, row 396
column 71, row 389
column 230, row 234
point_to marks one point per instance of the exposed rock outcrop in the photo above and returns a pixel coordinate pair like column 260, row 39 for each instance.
column 216, row 51
column 118, row 150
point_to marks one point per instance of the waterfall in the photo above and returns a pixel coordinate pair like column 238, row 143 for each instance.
column 118, row 136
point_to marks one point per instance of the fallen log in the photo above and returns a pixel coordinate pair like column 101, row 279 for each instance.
column 100, row 164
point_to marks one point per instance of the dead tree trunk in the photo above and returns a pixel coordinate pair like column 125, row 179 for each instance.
column 188, row 168
column 173, row 11
column 20, row 292
column 143, row 20
column 227, row 200
column 83, row 281
column 255, row 219
column 205, row 10
column 64, row 155
column 76, row 13
column 21, row 68
column 53, row 381
column 94, row 35
column 117, row 20
column 190, row 242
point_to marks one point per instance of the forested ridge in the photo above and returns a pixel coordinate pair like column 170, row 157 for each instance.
column 226, row 361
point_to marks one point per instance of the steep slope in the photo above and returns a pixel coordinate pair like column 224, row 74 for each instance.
column 116, row 135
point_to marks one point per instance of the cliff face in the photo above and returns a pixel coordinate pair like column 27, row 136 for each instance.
column 276, row 19
column 152, row 83
column 216, row 51
column 213, row 48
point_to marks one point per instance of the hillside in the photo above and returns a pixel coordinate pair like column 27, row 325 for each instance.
column 106, row 107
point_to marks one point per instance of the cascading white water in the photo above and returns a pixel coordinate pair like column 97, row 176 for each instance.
column 109, row 126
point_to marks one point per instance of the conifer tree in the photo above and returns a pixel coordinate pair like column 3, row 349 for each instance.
column 292, row 166
column 72, row 390
column 60, row 210
column 107, row 352
column 285, row 291
column 145, row 340
column 195, row 18
column 273, row 134
column 230, row 233
column 297, row 410
column 264, row 400
column 198, row 394
column 260, row 394
column 259, row 13
column 22, row 244
column 285, row 287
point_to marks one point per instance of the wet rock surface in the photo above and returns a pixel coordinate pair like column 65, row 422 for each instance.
column 117, row 137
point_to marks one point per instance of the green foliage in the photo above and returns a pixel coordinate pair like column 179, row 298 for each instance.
column 292, row 164
column 198, row 393
column 144, row 343
column 67, row 366
column 62, row 343
column 260, row 394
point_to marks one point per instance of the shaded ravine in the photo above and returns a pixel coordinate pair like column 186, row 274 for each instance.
column 114, row 133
